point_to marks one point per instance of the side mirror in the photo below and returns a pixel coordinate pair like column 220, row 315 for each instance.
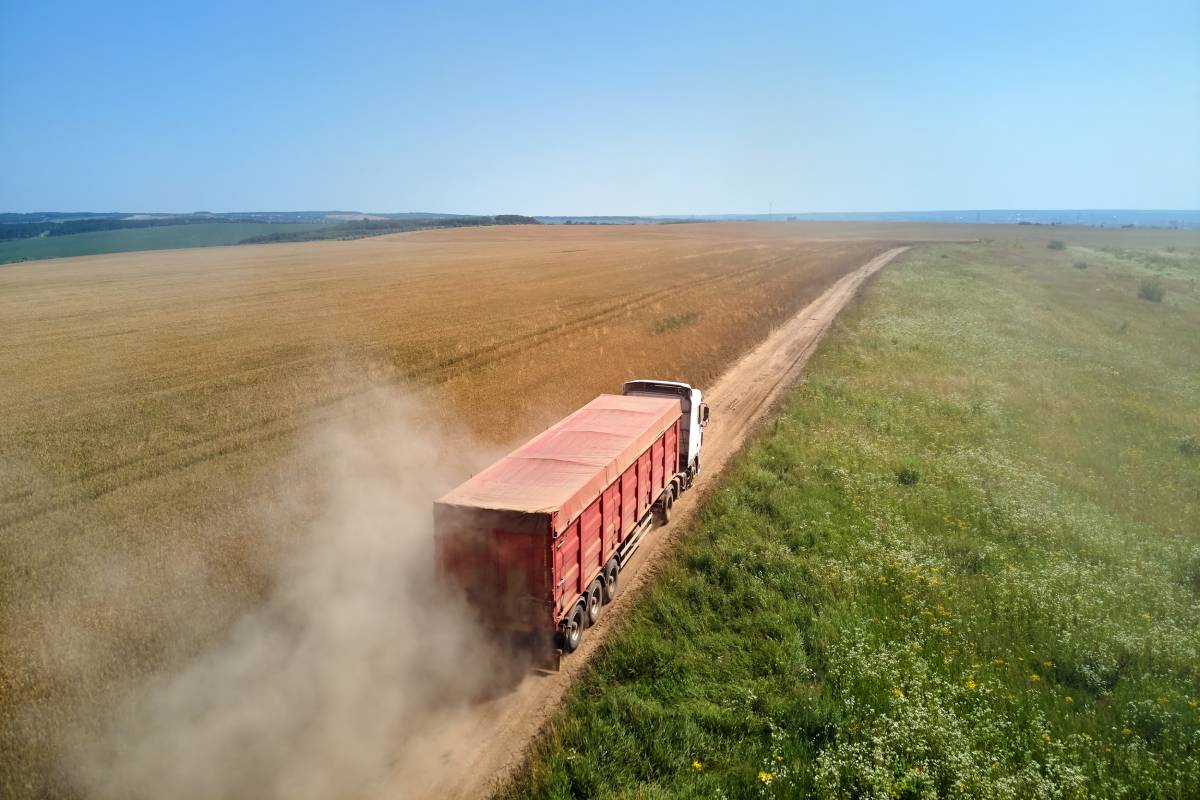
column 703, row 414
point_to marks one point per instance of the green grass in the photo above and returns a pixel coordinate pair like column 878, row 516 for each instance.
column 129, row 239
column 964, row 561
column 676, row 322
column 1150, row 289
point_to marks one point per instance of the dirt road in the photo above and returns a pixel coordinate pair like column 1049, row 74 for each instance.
column 473, row 752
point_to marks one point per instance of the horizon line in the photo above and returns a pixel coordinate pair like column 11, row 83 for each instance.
column 657, row 215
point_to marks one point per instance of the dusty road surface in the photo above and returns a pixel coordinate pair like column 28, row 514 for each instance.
column 472, row 753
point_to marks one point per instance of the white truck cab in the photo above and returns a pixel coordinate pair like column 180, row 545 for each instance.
column 695, row 416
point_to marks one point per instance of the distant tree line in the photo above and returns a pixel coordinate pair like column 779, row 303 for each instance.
column 55, row 216
column 357, row 229
column 32, row 230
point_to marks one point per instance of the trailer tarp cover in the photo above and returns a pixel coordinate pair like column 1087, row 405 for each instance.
column 563, row 469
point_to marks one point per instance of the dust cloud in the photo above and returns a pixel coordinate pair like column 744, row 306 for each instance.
column 310, row 695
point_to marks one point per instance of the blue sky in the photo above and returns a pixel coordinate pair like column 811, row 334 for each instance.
column 603, row 108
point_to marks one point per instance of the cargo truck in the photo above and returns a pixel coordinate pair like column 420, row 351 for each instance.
column 537, row 541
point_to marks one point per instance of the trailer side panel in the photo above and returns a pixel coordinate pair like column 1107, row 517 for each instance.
column 526, row 537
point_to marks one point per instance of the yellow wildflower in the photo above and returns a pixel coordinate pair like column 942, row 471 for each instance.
column 1069, row 699
column 971, row 683
column 765, row 777
column 896, row 692
column 1035, row 677
column 697, row 765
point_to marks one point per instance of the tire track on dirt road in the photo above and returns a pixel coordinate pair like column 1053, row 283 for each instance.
column 472, row 752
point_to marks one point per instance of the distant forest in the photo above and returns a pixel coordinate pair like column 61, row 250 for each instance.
column 357, row 229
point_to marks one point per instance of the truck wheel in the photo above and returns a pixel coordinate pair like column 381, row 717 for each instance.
column 595, row 598
column 611, row 581
column 664, row 509
column 572, row 632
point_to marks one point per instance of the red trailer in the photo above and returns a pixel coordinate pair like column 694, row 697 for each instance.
column 537, row 540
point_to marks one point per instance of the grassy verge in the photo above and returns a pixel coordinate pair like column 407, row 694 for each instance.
column 963, row 562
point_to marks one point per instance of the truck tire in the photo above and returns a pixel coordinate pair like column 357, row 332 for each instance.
column 572, row 633
column 612, row 581
column 595, row 599
column 664, row 509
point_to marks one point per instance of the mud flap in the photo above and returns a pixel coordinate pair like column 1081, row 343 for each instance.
column 546, row 653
